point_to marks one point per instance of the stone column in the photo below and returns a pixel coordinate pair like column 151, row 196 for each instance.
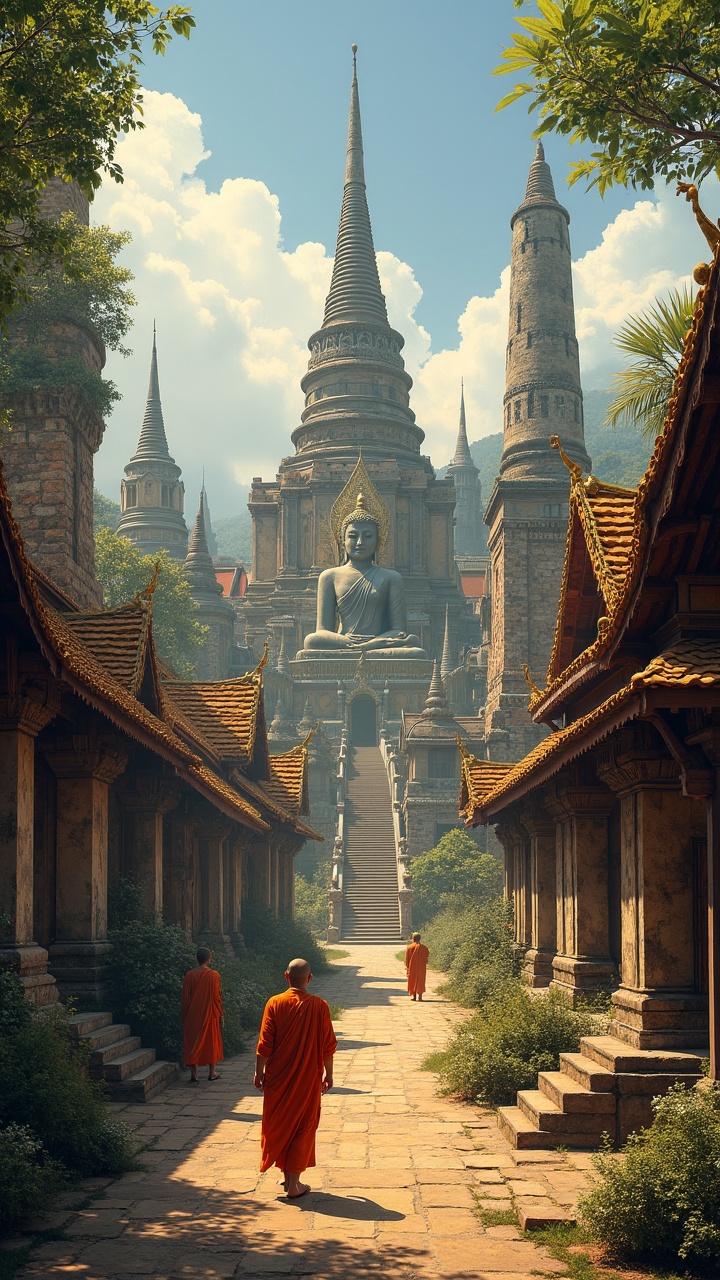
column 514, row 839
column 181, row 870
column 656, row 1005
column 235, row 887
column 84, row 766
column 582, row 965
column 538, row 966
column 212, row 837
column 148, row 797
column 21, row 719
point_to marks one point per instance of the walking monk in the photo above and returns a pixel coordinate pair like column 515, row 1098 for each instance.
column 416, row 958
column 293, row 1068
column 201, row 1009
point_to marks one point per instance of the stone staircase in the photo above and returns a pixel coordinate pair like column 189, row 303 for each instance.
column 130, row 1072
column 370, row 887
column 606, row 1088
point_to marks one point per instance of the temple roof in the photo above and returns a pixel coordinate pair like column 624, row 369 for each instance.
column 198, row 567
column 226, row 712
column 355, row 294
column 540, row 187
column 288, row 781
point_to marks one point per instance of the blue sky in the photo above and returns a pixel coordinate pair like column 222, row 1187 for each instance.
column 232, row 196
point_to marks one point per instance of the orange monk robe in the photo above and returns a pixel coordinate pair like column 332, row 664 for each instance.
column 201, row 1009
column 416, row 958
column 296, row 1036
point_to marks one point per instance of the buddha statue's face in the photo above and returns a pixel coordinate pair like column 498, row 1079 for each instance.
column 361, row 539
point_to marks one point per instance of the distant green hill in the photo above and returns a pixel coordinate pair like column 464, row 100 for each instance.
column 234, row 536
column 618, row 457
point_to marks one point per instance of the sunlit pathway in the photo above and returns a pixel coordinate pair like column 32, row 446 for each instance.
column 392, row 1193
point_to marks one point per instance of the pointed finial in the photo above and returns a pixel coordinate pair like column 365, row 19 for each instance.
column 436, row 703
column 446, row 665
column 463, row 456
column 573, row 467
column 539, row 151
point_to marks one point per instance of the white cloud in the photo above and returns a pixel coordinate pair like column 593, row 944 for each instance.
column 234, row 310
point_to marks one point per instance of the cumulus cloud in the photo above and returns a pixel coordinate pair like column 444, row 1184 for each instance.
column 234, row 310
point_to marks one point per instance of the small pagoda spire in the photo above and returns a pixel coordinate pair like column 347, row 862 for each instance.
column 283, row 662
column 436, row 703
column 198, row 568
column 209, row 532
column 540, row 185
column 355, row 293
column 446, row 665
column 153, row 444
column 463, row 456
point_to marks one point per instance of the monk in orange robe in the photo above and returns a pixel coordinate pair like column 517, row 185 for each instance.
column 201, row 1009
column 293, row 1069
column 416, row 958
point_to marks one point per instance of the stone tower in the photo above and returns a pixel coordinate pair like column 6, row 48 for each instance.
column 49, row 453
column 469, row 526
column 356, row 399
column 152, row 495
column 528, row 507
column 214, row 612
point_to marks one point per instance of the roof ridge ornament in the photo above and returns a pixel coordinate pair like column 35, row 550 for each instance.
column 573, row 467
column 534, row 691
column 710, row 229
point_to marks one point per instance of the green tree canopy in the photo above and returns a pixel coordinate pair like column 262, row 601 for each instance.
column 105, row 512
column 124, row 571
column 85, row 284
column 69, row 84
column 454, row 870
column 638, row 79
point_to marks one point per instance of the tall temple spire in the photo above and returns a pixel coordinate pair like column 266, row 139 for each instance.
column 436, row 703
column 199, row 569
column 153, row 441
column 355, row 293
column 463, row 456
column 446, row 664
column 152, row 495
column 540, row 185
column 209, row 531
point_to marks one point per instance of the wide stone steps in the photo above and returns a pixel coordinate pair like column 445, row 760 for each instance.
column 129, row 1072
column 607, row 1087
column 370, row 901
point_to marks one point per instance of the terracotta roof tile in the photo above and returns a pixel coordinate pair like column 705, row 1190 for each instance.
column 477, row 779
column 224, row 714
column 689, row 663
column 117, row 638
column 288, row 780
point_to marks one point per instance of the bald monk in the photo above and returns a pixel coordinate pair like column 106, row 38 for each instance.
column 416, row 958
column 293, row 1068
column 201, row 1009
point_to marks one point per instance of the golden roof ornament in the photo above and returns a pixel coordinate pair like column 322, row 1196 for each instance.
column 534, row 691
column 359, row 500
column 573, row 467
column 710, row 230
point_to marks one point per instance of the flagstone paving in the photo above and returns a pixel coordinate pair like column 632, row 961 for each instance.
column 400, row 1170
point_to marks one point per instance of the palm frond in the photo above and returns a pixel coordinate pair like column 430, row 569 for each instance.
column 656, row 337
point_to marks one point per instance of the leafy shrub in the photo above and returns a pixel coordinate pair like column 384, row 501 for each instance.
column 455, row 870
column 662, row 1202
column 43, row 1086
column 15, row 1010
column 503, row 1047
column 146, row 968
column 474, row 946
column 279, row 941
column 27, row 1174
column 311, row 900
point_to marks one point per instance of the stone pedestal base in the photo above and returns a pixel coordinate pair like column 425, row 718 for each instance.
column 537, row 970
column 333, row 933
column 79, row 968
column 579, row 978
column 660, row 1019
column 30, row 963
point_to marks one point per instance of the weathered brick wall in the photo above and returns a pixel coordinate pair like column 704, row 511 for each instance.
column 64, row 197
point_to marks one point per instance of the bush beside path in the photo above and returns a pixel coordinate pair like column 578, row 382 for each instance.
column 408, row 1184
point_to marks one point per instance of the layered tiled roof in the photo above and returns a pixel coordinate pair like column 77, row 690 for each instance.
column 686, row 664
column 225, row 714
column 288, row 781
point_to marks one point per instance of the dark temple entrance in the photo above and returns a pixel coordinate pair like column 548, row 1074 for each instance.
column 363, row 721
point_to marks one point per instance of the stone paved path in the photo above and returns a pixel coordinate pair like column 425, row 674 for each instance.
column 399, row 1169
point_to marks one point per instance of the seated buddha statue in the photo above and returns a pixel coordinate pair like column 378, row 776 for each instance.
column 360, row 604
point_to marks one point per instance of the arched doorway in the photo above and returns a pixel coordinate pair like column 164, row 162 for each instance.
column 363, row 721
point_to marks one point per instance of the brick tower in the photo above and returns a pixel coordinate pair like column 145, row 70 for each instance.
column 469, row 526
column 152, row 495
column 528, row 507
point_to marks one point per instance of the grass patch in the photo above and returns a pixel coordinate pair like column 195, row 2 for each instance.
column 400, row 955
column 336, row 1012
column 497, row 1217
column 12, row 1260
column 335, row 953
column 564, row 1243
